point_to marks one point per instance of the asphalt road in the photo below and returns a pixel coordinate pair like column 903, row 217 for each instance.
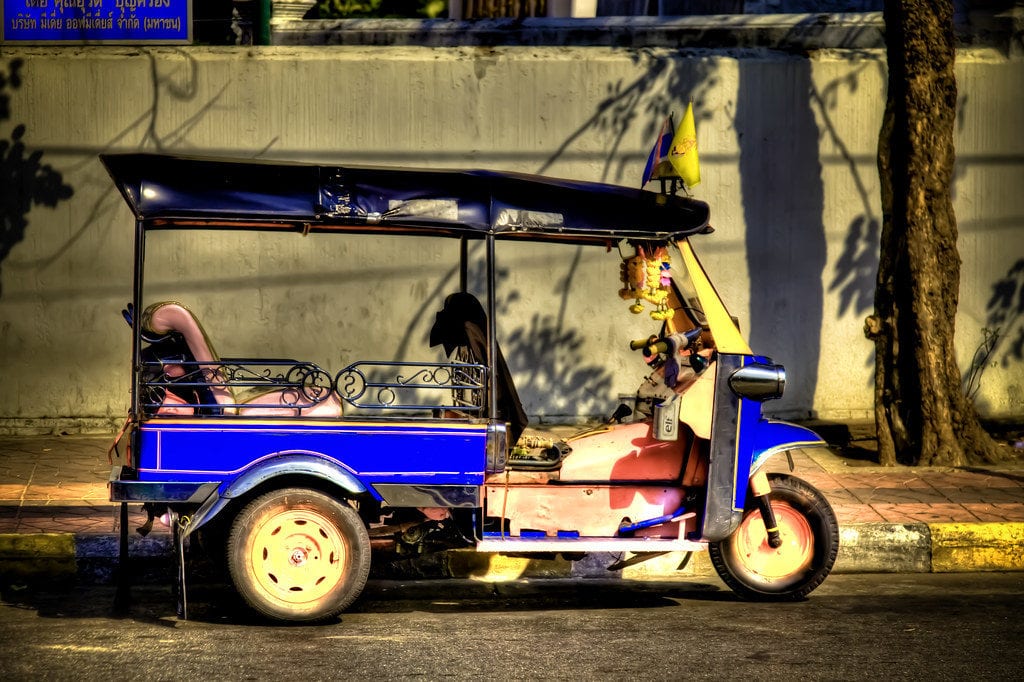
column 855, row 627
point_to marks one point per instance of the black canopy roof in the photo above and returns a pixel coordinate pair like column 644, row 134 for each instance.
column 166, row 190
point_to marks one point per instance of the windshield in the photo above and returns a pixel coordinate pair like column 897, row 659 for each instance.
column 702, row 304
column 686, row 293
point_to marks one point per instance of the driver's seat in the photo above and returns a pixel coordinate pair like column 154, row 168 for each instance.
column 462, row 323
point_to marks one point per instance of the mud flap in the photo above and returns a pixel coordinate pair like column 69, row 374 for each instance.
column 179, row 525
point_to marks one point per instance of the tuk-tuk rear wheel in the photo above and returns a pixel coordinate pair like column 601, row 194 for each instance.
column 755, row 570
column 298, row 555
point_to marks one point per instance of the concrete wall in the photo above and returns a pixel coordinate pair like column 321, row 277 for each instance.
column 788, row 163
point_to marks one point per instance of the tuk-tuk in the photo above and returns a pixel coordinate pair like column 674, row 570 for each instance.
column 311, row 473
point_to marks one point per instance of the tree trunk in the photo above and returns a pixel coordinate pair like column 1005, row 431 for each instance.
column 921, row 413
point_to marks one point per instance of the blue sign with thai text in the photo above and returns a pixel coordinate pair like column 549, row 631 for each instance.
column 97, row 21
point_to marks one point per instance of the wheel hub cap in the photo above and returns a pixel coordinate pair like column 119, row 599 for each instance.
column 775, row 563
column 298, row 556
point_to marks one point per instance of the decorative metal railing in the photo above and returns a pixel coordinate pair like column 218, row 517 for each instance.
column 245, row 386
column 417, row 387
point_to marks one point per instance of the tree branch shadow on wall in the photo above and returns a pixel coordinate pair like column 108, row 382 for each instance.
column 855, row 272
column 180, row 85
column 782, row 187
column 782, row 190
column 783, row 195
column 857, row 266
column 548, row 354
column 1003, row 342
column 665, row 86
column 781, row 175
column 25, row 181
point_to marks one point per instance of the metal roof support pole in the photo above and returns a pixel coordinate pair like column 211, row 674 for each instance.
column 492, row 332
column 463, row 264
column 122, row 597
column 137, row 275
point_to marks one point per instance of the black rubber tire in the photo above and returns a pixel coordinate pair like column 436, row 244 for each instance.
column 298, row 555
column 795, row 498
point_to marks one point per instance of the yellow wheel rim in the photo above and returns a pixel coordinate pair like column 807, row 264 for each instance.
column 790, row 559
column 298, row 556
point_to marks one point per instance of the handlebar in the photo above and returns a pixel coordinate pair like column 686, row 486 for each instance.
column 659, row 345
column 637, row 344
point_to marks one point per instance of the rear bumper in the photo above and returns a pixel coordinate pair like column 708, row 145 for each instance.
column 183, row 492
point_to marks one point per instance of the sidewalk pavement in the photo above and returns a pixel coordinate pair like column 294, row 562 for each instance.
column 56, row 521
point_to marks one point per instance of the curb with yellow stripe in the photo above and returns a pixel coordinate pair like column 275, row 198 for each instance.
column 864, row 548
column 27, row 557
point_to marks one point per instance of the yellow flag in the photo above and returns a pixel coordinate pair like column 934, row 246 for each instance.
column 683, row 152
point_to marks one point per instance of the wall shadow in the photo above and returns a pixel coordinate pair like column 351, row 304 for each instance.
column 783, row 204
column 665, row 86
column 1003, row 335
column 1006, row 312
column 25, row 181
column 547, row 354
column 856, row 270
column 142, row 133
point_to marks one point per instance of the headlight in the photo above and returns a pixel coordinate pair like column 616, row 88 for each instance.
column 758, row 381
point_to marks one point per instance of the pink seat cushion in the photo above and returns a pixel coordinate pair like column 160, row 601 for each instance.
column 170, row 316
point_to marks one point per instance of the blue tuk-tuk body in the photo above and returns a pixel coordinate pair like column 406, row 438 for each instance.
column 308, row 472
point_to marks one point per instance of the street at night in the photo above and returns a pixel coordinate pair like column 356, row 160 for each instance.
column 882, row 626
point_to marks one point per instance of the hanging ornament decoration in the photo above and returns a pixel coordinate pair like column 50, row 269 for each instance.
column 648, row 278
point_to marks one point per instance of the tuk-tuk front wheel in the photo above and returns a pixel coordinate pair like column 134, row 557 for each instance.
column 755, row 570
column 298, row 555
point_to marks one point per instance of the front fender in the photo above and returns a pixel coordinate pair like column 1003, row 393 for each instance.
column 280, row 464
column 772, row 437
